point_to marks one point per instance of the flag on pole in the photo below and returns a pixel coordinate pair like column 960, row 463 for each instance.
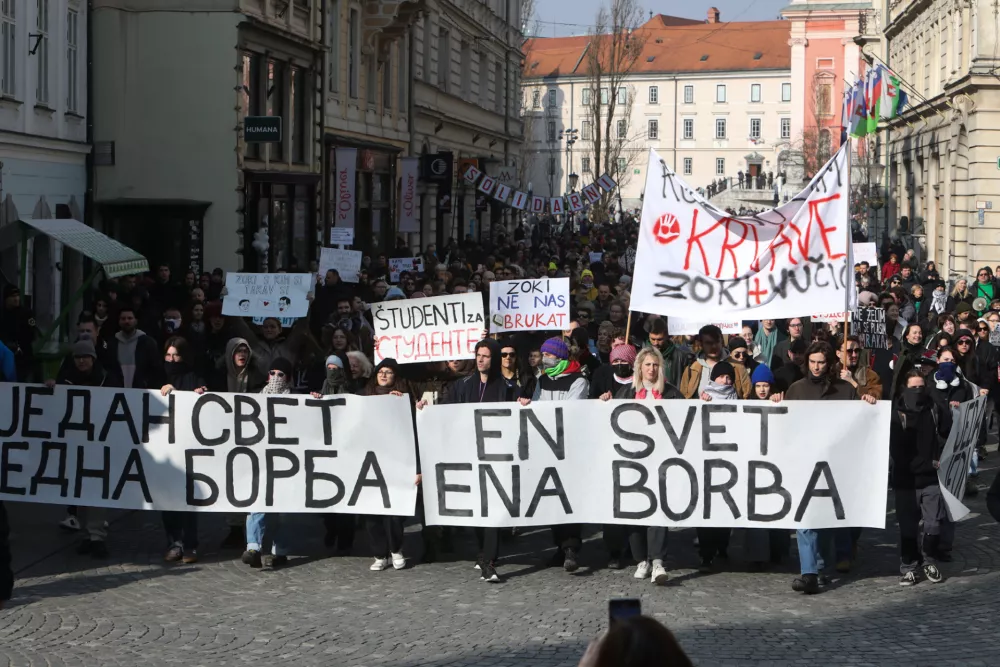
column 859, row 119
column 874, row 99
column 893, row 96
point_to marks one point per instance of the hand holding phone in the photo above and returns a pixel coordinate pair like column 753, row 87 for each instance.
column 622, row 608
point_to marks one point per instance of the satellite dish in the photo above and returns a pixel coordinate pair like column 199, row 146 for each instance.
column 979, row 305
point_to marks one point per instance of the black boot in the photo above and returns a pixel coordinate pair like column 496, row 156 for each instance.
column 807, row 583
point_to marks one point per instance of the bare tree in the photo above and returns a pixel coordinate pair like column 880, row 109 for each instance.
column 529, row 29
column 611, row 54
column 817, row 137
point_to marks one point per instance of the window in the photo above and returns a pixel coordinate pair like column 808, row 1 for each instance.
column 354, row 52
column 387, row 86
column 483, row 79
column 824, row 63
column 689, row 128
column 444, row 58
column 622, row 95
column 466, row 64
column 654, row 95
column 824, row 99
column 42, row 52
column 275, row 104
column 720, row 93
column 786, row 92
column 403, row 47
column 688, row 94
column 72, row 60
column 688, row 166
column 335, row 23
column 621, row 165
column 553, row 98
column 372, row 87
column 755, row 92
column 720, row 166
column 604, row 96
column 550, row 131
column 720, row 128
column 755, row 128
column 585, row 165
column 297, row 101
column 586, row 95
column 536, row 99
column 500, row 84
column 252, row 96
column 786, row 128
column 585, row 130
column 622, row 128
column 654, row 129
column 552, row 166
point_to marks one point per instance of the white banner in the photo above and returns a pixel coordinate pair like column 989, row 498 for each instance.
column 345, row 180
column 408, row 202
column 681, row 327
column 267, row 294
column 529, row 305
column 967, row 419
column 867, row 252
column 347, row 263
column 135, row 449
column 694, row 260
column 342, row 236
column 749, row 464
column 440, row 328
column 399, row 264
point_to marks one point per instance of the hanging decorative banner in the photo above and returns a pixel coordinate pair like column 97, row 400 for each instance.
column 556, row 205
column 694, row 260
column 502, row 193
column 519, row 201
column 575, row 201
column 408, row 172
column 471, row 174
column 487, row 185
column 592, row 193
column 606, row 183
column 345, row 179
column 538, row 204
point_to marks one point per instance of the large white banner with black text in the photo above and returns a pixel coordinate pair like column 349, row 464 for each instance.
column 748, row 464
column 136, row 449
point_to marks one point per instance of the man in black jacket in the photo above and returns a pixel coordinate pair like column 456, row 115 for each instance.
column 137, row 355
column 485, row 386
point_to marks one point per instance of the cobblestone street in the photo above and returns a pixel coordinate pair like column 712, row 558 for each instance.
column 134, row 609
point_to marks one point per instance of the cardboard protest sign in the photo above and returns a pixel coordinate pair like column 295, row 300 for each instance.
column 346, row 262
column 595, row 257
column 828, row 317
column 267, row 294
column 399, row 264
column 868, row 324
column 440, row 328
column 695, row 260
column 867, row 252
column 529, row 305
column 136, row 449
column 680, row 326
column 655, row 463
column 341, row 235
column 967, row 420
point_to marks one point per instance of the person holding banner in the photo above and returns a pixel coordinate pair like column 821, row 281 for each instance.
column 698, row 375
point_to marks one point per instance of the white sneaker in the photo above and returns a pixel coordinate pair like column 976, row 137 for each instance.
column 642, row 571
column 398, row 561
column 379, row 565
column 70, row 523
column 659, row 574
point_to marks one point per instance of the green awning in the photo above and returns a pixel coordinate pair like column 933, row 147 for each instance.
column 117, row 259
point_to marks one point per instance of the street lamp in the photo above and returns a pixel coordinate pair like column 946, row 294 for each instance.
column 875, row 171
column 573, row 180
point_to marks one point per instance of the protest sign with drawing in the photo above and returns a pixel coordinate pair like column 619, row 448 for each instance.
column 440, row 328
column 267, row 294
column 136, row 449
column 529, row 305
column 659, row 463
column 347, row 263
column 967, row 420
column 694, row 260
column 398, row 265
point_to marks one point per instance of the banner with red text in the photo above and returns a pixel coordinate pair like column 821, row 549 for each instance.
column 694, row 260
column 440, row 328
column 345, row 178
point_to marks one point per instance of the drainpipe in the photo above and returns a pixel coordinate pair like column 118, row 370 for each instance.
column 324, row 204
column 506, row 105
column 88, row 197
column 411, row 80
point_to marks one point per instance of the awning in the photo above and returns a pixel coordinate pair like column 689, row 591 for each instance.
column 117, row 259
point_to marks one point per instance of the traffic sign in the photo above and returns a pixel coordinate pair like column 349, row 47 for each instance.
column 262, row 129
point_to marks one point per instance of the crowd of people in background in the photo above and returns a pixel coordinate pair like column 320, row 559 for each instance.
column 157, row 332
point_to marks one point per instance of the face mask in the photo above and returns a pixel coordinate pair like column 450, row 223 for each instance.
column 173, row 325
column 335, row 375
column 913, row 398
column 550, row 362
column 173, row 368
column 622, row 370
column 946, row 370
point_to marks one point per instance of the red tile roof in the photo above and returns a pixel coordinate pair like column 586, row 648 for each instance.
column 751, row 45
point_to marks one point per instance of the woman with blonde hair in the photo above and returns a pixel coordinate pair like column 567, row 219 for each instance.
column 961, row 291
column 649, row 544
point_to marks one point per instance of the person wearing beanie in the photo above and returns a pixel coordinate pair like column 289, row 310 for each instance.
column 762, row 381
column 739, row 351
column 561, row 380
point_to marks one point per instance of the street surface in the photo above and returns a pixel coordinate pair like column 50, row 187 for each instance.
column 134, row 609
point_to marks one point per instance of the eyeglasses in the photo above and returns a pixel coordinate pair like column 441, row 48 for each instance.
column 739, row 354
column 508, row 355
column 795, row 326
column 386, row 371
column 853, row 350
column 983, row 329
column 583, row 316
column 277, row 374
column 965, row 341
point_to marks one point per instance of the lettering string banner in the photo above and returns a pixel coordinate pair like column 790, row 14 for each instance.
column 440, row 328
column 529, row 305
column 694, row 260
column 656, row 463
column 136, row 449
column 967, row 419
column 267, row 294
column 499, row 191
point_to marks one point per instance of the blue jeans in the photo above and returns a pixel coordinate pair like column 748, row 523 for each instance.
column 815, row 547
column 261, row 526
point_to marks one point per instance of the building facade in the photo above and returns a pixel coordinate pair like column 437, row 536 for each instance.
column 942, row 153
column 43, row 132
column 712, row 98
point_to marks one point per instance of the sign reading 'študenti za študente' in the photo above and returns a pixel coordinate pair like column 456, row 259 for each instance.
column 440, row 328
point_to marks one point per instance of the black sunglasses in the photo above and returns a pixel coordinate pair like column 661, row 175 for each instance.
column 508, row 355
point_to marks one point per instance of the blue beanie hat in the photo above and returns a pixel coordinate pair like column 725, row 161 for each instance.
column 556, row 347
column 394, row 293
column 762, row 374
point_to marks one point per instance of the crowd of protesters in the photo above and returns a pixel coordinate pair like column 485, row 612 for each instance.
column 155, row 332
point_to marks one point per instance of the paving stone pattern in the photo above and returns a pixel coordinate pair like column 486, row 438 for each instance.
column 134, row 609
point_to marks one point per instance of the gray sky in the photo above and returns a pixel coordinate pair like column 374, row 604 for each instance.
column 579, row 14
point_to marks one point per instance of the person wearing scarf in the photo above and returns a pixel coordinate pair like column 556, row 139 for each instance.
column 339, row 526
column 714, row 542
column 336, row 381
column 648, row 383
column 767, row 338
column 261, row 525
column 561, row 380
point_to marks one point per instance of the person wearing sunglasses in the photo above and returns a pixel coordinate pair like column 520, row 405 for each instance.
column 986, row 287
column 855, row 371
column 263, row 526
column 519, row 379
column 739, row 350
